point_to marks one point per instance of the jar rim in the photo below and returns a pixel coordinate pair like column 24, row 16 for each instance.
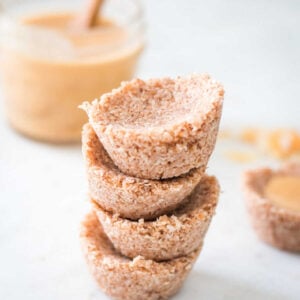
column 23, row 33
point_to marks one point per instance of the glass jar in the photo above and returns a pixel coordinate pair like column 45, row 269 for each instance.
column 48, row 69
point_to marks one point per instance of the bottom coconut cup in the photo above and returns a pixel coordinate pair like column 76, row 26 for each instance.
column 169, row 236
column 130, row 279
column 274, row 224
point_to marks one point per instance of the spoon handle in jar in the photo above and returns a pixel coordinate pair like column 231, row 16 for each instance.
column 88, row 17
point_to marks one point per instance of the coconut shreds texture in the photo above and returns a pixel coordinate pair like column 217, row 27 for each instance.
column 169, row 236
column 160, row 128
column 131, row 197
column 130, row 279
column 274, row 225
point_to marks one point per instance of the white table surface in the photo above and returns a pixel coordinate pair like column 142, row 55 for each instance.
column 251, row 46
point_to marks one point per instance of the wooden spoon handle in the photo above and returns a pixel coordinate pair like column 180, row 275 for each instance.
column 89, row 16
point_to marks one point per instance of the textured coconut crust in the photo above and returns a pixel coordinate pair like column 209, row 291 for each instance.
column 168, row 237
column 125, row 279
column 131, row 197
column 160, row 128
column 275, row 225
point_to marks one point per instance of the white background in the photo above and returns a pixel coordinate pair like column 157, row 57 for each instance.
column 253, row 48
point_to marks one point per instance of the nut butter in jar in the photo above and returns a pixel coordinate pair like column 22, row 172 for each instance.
column 50, row 65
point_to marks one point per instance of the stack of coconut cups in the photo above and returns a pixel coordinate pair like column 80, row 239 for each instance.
column 146, row 148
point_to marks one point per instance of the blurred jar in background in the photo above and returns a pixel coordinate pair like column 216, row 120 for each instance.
column 50, row 65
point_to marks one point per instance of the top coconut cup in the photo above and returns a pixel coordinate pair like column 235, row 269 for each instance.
column 159, row 128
